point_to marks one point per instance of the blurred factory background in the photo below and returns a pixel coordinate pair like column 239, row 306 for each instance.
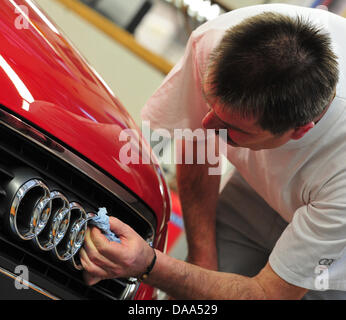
column 164, row 26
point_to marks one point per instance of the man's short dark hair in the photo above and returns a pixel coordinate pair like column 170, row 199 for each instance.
column 278, row 69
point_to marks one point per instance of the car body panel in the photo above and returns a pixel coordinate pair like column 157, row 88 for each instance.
column 59, row 92
column 48, row 84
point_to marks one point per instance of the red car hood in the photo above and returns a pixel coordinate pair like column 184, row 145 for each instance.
column 44, row 80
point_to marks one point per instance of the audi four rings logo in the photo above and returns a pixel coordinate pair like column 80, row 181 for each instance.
column 49, row 220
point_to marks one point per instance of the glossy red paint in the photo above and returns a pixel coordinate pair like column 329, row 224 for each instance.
column 145, row 292
column 44, row 80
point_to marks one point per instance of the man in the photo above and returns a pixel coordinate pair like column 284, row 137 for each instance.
column 269, row 75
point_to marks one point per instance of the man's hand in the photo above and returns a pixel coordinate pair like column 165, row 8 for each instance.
column 104, row 259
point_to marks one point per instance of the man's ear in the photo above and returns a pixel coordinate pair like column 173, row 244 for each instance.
column 299, row 132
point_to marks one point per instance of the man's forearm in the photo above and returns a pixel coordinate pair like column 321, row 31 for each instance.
column 198, row 193
column 183, row 280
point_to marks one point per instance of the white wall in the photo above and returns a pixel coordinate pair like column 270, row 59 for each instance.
column 131, row 79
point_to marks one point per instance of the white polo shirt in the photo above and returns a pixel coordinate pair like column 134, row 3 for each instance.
column 303, row 180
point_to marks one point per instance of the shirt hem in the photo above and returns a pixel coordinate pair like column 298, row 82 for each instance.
column 308, row 283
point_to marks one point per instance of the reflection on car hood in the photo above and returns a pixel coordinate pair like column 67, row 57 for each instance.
column 46, row 81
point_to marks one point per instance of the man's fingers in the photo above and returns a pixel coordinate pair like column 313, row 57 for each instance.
column 92, row 273
column 94, row 245
column 90, row 280
column 120, row 228
column 104, row 259
column 105, row 253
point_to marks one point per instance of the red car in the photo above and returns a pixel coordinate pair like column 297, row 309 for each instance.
column 59, row 164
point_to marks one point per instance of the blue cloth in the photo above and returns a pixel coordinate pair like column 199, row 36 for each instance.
column 101, row 221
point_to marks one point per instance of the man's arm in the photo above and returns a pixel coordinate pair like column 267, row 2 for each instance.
column 103, row 259
column 187, row 281
column 198, row 192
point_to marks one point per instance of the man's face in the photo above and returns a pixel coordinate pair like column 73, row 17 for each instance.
column 242, row 132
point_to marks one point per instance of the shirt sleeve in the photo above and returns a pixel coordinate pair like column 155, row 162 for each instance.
column 179, row 103
column 311, row 251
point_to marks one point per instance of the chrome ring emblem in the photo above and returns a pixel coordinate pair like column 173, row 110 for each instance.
column 49, row 220
column 58, row 223
column 75, row 235
column 34, row 195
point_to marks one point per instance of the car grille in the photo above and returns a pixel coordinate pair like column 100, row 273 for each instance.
column 47, row 196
